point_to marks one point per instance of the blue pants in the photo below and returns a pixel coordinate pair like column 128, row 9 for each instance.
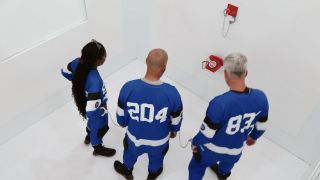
column 155, row 159
column 97, row 127
column 208, row 158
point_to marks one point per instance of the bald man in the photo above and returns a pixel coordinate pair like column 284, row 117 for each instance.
column 152, row 111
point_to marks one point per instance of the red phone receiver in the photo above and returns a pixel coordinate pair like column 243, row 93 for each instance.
column 213, row 63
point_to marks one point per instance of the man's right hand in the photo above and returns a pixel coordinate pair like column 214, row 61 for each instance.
column 173, row 134
column 194, row 148
column 196, row 153
column 250, row 141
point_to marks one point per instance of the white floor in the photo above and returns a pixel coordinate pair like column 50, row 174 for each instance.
column 53, row 148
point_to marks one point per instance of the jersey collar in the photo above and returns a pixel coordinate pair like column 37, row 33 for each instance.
column 152, row 82
column 246, row 91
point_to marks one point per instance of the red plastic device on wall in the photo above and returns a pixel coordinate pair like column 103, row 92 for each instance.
column 213, row 63
column 232, row 10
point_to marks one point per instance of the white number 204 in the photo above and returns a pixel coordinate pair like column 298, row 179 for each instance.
column 138, row 112
column 234, row 123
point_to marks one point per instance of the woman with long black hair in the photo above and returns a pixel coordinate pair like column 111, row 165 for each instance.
column 90, row 94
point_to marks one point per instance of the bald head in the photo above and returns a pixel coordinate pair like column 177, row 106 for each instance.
column 156, row 62
column 157, row 57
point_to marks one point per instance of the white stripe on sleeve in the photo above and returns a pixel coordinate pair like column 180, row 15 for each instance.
column 207, row 131
column 93, row 105
column 120, row 111
column 261, row 126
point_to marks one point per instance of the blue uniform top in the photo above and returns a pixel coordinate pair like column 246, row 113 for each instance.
column 94, row 88
column 151, row 112
column 230, row 119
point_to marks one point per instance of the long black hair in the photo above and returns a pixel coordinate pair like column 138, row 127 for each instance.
column 90, row 54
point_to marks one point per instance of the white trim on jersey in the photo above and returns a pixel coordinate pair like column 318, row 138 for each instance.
column 146, row 142
column 105, row 111
column 223, row 150
column 66, row 70
column 261, row 126
column 93, row 105
column 120, row 111
column 177, row 120
column 207, row 131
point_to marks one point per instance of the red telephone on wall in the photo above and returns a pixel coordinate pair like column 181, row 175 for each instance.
column 231, row 10
column 212, row 63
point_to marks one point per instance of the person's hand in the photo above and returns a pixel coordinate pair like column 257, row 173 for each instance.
column 194, row 148
column 196, row 154
column 250, row 141
column 173, row 134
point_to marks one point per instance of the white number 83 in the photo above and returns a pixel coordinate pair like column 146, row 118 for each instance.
column 234, row 123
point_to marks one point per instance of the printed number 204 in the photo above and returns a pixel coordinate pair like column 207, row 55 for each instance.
column 141, row 110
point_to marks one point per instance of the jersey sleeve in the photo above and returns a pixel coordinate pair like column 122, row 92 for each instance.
column 176, row 115
column 68, row 71
column 94, row 98
column 210, row 125
column 122, row 121
column 261, row 125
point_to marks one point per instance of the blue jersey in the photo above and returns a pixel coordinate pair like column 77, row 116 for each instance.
column 230, row 119
column 151, row 112
column 94, row 88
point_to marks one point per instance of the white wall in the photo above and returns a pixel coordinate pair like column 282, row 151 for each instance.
column 41, row 23
column 281, row 40
column 31, row 84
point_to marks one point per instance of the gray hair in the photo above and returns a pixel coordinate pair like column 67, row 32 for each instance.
column 236, row 64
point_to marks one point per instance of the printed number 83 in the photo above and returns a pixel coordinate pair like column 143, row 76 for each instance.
column 234, row 123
